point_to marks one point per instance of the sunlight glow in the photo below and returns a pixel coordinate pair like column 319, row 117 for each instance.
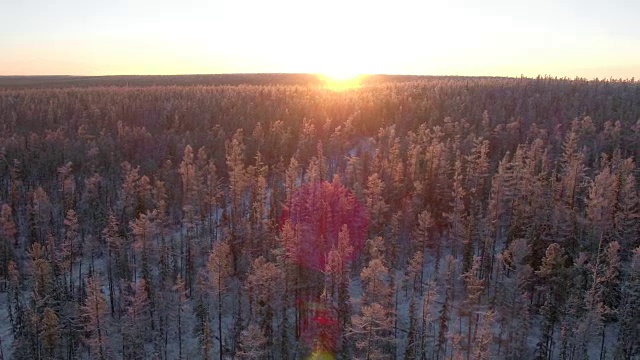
column 342, row 81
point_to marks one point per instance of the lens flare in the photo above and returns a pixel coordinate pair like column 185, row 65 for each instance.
column 319, row 211
column 320, row 328
column 321, row 355
column 324, row 229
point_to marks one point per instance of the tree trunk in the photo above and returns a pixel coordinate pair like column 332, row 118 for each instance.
column 220, row 317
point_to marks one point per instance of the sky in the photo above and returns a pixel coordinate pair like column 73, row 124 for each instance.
column 564, row 38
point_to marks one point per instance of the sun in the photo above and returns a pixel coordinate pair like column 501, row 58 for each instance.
column 340, row 75
column 341, row 80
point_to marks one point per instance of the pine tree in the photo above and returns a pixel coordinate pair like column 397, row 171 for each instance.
column 445, row 311
column 603, row 296
column 50, row 332
column 628, row 342
column 485, row 337
column 70, row 246
column 190, row 188
column 513, row 282
column 238, row 182
column 42, row 273
column 411, row 349
column 220, row 267
column 476, row 185
column 212, row 194
column 40, row 299
column 371, row 332
column 338, row 271
column 552, row 274
column 427, row 318
column 41, row 215
column 571, row 183
column 129, row 192
column 374, row 323
column 376, row 205
column 253, row 343
column 600, row 207
column 353, row 174
column 144, row 231
column 67, row 185
column 291, row 243
column 116, row 260
column 137, row 321
column 94, row 312
column 628, row 216
column 16, row 186
column 494, row 215
column 375, row 280
column 425, row 239
column 457, row 218
column 258, row 218
column 202, row 326
column 291, row 181
column 264, row 287
column 144, row 189
column 470, row 307
column 94, row 204
column 338, row 260
column 7, row 239
column 415, row 272
column 180, row 304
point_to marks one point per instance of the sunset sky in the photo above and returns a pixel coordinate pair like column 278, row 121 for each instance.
column 564, row 38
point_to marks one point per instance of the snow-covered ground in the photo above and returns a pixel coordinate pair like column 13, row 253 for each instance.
column 6, row 338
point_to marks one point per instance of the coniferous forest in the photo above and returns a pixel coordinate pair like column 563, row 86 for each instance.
column 419, row 218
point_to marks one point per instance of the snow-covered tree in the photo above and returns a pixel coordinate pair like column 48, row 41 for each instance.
column 253, row 343
column 7, row 239
column 220, row 268
column 94, row 311
column 371, row 332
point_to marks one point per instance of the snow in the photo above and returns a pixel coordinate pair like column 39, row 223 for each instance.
column 6, row 336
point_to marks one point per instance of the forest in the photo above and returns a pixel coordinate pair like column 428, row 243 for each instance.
column 410, row 218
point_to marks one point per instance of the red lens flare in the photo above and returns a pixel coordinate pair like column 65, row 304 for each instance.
column 316, row 214
column 320, row 328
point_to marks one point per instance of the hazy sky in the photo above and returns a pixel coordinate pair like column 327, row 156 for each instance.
column 570, row 38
